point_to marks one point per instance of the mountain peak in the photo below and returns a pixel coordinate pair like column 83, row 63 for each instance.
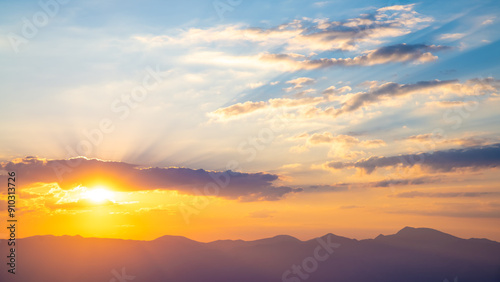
column 279, row 239
column 174, row 239
column 418, row 234
column 421, row 231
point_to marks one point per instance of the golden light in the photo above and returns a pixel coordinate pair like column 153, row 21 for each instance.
column 99, row 195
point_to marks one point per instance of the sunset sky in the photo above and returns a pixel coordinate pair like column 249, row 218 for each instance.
column 248, row 119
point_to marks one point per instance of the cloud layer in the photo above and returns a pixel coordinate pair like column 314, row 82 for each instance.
column 128, row 177
column 376, row 94
column 439, row 161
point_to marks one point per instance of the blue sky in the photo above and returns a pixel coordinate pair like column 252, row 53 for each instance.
column 91, row 44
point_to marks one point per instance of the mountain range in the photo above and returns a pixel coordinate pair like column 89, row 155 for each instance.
column 410, row 255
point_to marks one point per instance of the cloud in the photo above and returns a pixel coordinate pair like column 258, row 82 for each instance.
column 305, row 34
column 255, row 85
column 341, row 139
column 461, row 210
column 397, row 8
column 416, row 53
column 128, row 177
column 337, row 187
column 81, row 204
column 249, row 107
column 327, row 137
column 240, row 108
column 449, row 104
column 378, row 93
column 451, row 36
column 342, row 186
column 331, row 91
column 300, row 82
column 414, row 194
column 488, row 21
column 375, row 94
column 341, row 144
column 404, row 182
column 291, row 166
column 470, row 141
column 388, row 90
column 439, row 161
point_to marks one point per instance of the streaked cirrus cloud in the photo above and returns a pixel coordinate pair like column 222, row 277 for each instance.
column 439, row 161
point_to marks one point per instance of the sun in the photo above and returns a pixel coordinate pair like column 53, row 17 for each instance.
column 99, row 194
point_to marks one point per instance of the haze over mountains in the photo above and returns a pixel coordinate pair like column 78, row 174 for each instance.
column 412, row 254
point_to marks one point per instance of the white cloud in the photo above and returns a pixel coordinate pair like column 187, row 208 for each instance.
column 452, row 36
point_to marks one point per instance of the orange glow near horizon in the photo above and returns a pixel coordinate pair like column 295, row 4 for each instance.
column 109, row 209
column 145, row 215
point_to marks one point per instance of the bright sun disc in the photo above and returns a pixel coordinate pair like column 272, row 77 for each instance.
column 99, row 195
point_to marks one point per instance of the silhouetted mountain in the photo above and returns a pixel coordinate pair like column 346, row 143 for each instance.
column 411, row 255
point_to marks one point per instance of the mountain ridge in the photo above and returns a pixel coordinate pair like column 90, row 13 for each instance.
column 410, row 255
column 404, row 232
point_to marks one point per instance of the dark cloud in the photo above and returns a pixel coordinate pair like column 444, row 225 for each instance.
column 128, row 177
column 413, row 194
column 337, row 187
column 387, row 90
column 406, row 49
column 439, row 161
column 346, row 35
column 419, row 53
column 400, row 182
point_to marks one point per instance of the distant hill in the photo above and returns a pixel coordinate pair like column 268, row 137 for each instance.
column 411, row 255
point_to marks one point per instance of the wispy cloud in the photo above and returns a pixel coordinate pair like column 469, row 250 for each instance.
column 306, row 34
column 419, row 194
column 416, row 53
column 377, row 94
column 341, row 145
column 439, row 161
column 452, row 36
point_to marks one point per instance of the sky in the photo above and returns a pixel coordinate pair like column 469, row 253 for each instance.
column 239, row 119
